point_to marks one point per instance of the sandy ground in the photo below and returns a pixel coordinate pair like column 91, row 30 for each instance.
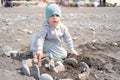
column 95, row 32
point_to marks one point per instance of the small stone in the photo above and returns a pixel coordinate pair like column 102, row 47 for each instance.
column 82, row 76
column 84, row 65
column 30, row 32
column 4, row 28
column 6, row 50
column 14, row 53
column 115, row 44
column 45, row 76
column 18, row 40
column 25, row 68
column 71, row 61
column 25, row 30
column 29, row 62
column 7, row 54
column 65, row 79
column 94, row 32
column 86, row 71
column 45, row 61
column 92, row 28
column 94, row 41
column 51, row 65
column 59, row 67
column 35, row 72
column 74, row 38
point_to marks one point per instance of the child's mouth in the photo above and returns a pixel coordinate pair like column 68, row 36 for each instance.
column 55, row 21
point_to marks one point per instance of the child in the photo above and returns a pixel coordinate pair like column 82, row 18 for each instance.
column 47, row 43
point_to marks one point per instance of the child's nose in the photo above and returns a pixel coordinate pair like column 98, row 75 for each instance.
column 55, row 16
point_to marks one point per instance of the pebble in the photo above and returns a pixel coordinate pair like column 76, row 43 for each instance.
column 6, row 50
column 59, row 67
column 18, row 40
column 85, row 74
column 30, row 32
column 65, row 79
column 14, row 52
column 51, row 65
column 25, row 68
column 115, row 44
column 71, row 61
column 45, row 76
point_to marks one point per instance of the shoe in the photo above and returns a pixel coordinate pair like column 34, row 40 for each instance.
column 25, row 68
column 35, row 72
column 45, row 77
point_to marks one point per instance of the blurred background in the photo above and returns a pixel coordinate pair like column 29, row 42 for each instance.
column 68, row 3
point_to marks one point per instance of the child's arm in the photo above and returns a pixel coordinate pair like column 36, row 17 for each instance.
column 68, row 40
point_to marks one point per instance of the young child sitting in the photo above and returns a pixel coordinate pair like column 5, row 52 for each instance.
column 48, row 42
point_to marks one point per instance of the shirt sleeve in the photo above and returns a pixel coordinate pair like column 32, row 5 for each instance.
column 68, row 39
column 41, row 37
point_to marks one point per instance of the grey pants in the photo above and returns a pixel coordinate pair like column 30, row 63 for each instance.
column 50, row 49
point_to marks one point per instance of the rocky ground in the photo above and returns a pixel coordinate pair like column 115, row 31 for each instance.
column 95, row 32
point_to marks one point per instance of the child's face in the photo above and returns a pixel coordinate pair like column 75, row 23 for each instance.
column 54, row 20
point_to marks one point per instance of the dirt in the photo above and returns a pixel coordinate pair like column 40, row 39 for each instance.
column 95, row 33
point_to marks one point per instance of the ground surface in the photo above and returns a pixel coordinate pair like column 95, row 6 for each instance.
column 95, row 32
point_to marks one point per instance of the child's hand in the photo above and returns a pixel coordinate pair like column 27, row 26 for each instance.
column 75, row 53
column 39, row 54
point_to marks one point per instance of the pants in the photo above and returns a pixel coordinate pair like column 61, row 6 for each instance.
column 50, row 49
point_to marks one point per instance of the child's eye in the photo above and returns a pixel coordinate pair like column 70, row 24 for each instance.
column 55, row 15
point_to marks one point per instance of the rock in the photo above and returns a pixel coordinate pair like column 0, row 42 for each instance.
column 71, row 61
column 84, row 65
column 94, row 41
column 86, row 71
column 82, row 76
column 59, row 67
column 65, row 79
column 30, row 32
column 6, row 50
column 45, row 60
column 35, row 72
column 29, row 62
column 18, row 40
column 25, row 68
column 14, row 53
column 7, row 54
column 45, row 76
column 92, row 28
column 115, row 44
column 51, row 65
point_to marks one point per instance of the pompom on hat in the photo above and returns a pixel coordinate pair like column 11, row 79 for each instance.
column 52, row 9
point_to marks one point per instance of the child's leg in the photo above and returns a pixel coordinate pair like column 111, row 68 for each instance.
column 33, row 44
column 54, row 50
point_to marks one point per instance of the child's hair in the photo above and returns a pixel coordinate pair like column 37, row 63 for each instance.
column 52, row 9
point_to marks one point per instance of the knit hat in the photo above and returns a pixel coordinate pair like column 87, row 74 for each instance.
column 52, row 9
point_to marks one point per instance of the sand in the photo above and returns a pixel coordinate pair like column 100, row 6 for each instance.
column 95, row 33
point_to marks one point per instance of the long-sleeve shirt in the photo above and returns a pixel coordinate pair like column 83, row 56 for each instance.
column 55, row 36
